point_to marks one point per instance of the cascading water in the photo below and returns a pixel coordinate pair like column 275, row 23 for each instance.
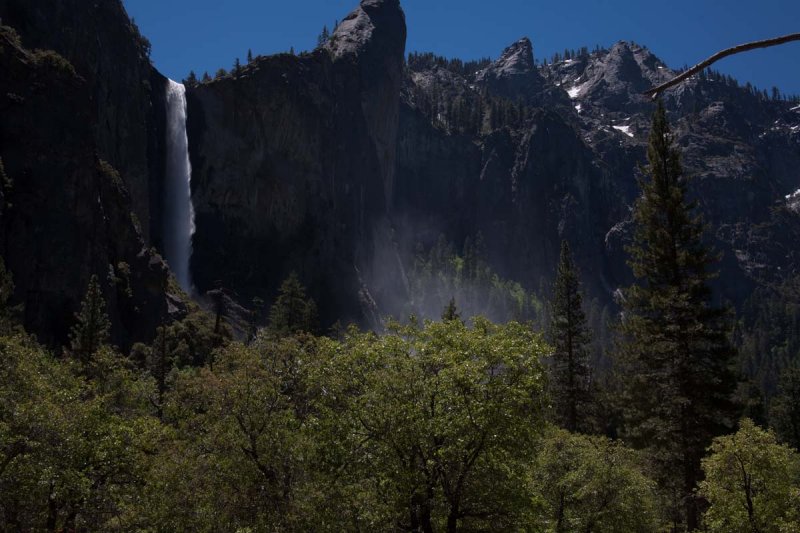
column 178, row 226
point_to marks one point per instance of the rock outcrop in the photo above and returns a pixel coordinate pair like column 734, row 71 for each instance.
column 514, row 74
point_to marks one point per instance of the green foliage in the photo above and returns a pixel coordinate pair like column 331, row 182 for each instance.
column 785, row 408
column 52, row 61
column 191, row 341
column 92, row 326
column 430, row 427
column 674, row 354
column 71, row 454
column 752, row 483
column 587, row 483
column 451, row 311
column 240, row 435
column 463, row 112
column 292, row 311
column 9, row 314
column 144, row 43
column 162, row 357
column 571, row 371
column 441, row 275
column 121, row 277
column 11, row 34
column 770, row 332
column 418, row 61
column 110, row 173
column 323, row 37
column 433, row 426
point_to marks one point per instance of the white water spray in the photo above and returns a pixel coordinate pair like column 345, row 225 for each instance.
column 178, row 225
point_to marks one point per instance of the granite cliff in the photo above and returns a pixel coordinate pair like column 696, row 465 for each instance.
column 293, row 163
column 569, row 171
column 81, row 142
column 342, row 162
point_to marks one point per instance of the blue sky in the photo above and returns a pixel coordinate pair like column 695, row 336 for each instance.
column 203, row 35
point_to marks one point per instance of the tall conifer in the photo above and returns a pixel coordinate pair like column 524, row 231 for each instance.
column 293, row 311
column 675, row 356
column 92, row 326
column 570, row 337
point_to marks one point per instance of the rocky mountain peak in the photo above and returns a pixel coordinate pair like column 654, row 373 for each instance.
column 620, row 65
column 614, row 79
column 631, row 62
column 374, row 23
column 515, row 60
column 514, row 74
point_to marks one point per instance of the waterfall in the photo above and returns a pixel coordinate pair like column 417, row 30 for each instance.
column 178, row 217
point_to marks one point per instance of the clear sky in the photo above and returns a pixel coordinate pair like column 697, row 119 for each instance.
column 203, row 35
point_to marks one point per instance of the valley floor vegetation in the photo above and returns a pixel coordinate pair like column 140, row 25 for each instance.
column 450, row 425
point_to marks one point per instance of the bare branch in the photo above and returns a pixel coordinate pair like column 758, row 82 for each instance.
column 654, row 92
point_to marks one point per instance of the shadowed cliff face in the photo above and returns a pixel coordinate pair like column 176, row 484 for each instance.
column 368, row 41
column 67, row 214
column 337, row 163
column 127, row 93
column 570, row 171
column 522, row 189
column 303, row 163
column 293, row 164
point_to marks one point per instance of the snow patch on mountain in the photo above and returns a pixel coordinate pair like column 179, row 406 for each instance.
column 793, row 201
column 624, row 129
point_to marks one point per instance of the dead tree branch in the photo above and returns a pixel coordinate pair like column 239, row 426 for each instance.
column 655, row 91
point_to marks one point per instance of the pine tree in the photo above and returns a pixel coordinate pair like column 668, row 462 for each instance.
column 220, row 307
column 323, row 37
column 191, row 80
column 237, row 67
column 92, row 326
column 221, row 73
column 206, row 77
column 8, row 314
column 161, row 359
column 571, row 372
column 249, row 56
column 292, row 311
column 785, row 410
column 674, row 355
column 451, row 311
